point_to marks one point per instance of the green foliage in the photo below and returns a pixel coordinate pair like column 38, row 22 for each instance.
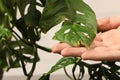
column 78, row 28
column 75, row 35
column 63, row 62
column 97, row 71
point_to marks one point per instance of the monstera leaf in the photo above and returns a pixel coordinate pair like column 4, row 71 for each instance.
column 79, row 27
column 63, row 62
column 22, row 5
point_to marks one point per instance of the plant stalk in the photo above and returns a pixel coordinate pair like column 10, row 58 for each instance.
column 34, row 64
column 21, row 58
column 67, row 74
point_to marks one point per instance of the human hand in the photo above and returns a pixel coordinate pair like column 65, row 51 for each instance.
column 106, row 46
column 108, row 23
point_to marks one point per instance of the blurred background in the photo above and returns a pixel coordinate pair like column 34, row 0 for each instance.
column 102, row 8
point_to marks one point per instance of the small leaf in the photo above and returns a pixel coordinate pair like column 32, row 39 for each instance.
column 5, row 34
column 63, row 62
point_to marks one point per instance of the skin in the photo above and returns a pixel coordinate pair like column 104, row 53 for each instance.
column 105, row 46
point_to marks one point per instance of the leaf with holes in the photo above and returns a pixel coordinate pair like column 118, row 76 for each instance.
column 22, row 5
column 63, row 62
column 81, row 28
column 75, row 35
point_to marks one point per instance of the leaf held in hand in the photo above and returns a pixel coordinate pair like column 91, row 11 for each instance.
column 80, row 29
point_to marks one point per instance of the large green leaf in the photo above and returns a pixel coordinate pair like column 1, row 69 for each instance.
column 75, row 35
column 77, row 10
column 22, row 5
column 28, row 22
column 54, row 12
column 79, row 21
column 33, row 15
column 84, row 14
column 80, row 31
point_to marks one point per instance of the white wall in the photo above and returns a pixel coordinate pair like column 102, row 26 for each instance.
column 102, row 8
column 105, row 8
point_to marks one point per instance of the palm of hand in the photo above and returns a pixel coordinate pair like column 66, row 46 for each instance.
column 106, row 46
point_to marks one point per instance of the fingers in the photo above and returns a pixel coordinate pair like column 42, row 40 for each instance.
column 67, row 50
column 103, row 24
column 99, row 53
column 73, row 51
column 58, row 47
column 102, row 54
column 108, row 23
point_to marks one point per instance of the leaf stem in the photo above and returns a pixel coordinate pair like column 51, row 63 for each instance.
column 21, row 58
column 34, row 64
column 28, row 43
column 73, row 71
column 67, row 74
column 43, row 48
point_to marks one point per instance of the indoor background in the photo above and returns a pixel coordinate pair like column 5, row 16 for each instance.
column 102, row 8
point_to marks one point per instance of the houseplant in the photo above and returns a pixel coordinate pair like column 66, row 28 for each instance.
column 18, row 49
